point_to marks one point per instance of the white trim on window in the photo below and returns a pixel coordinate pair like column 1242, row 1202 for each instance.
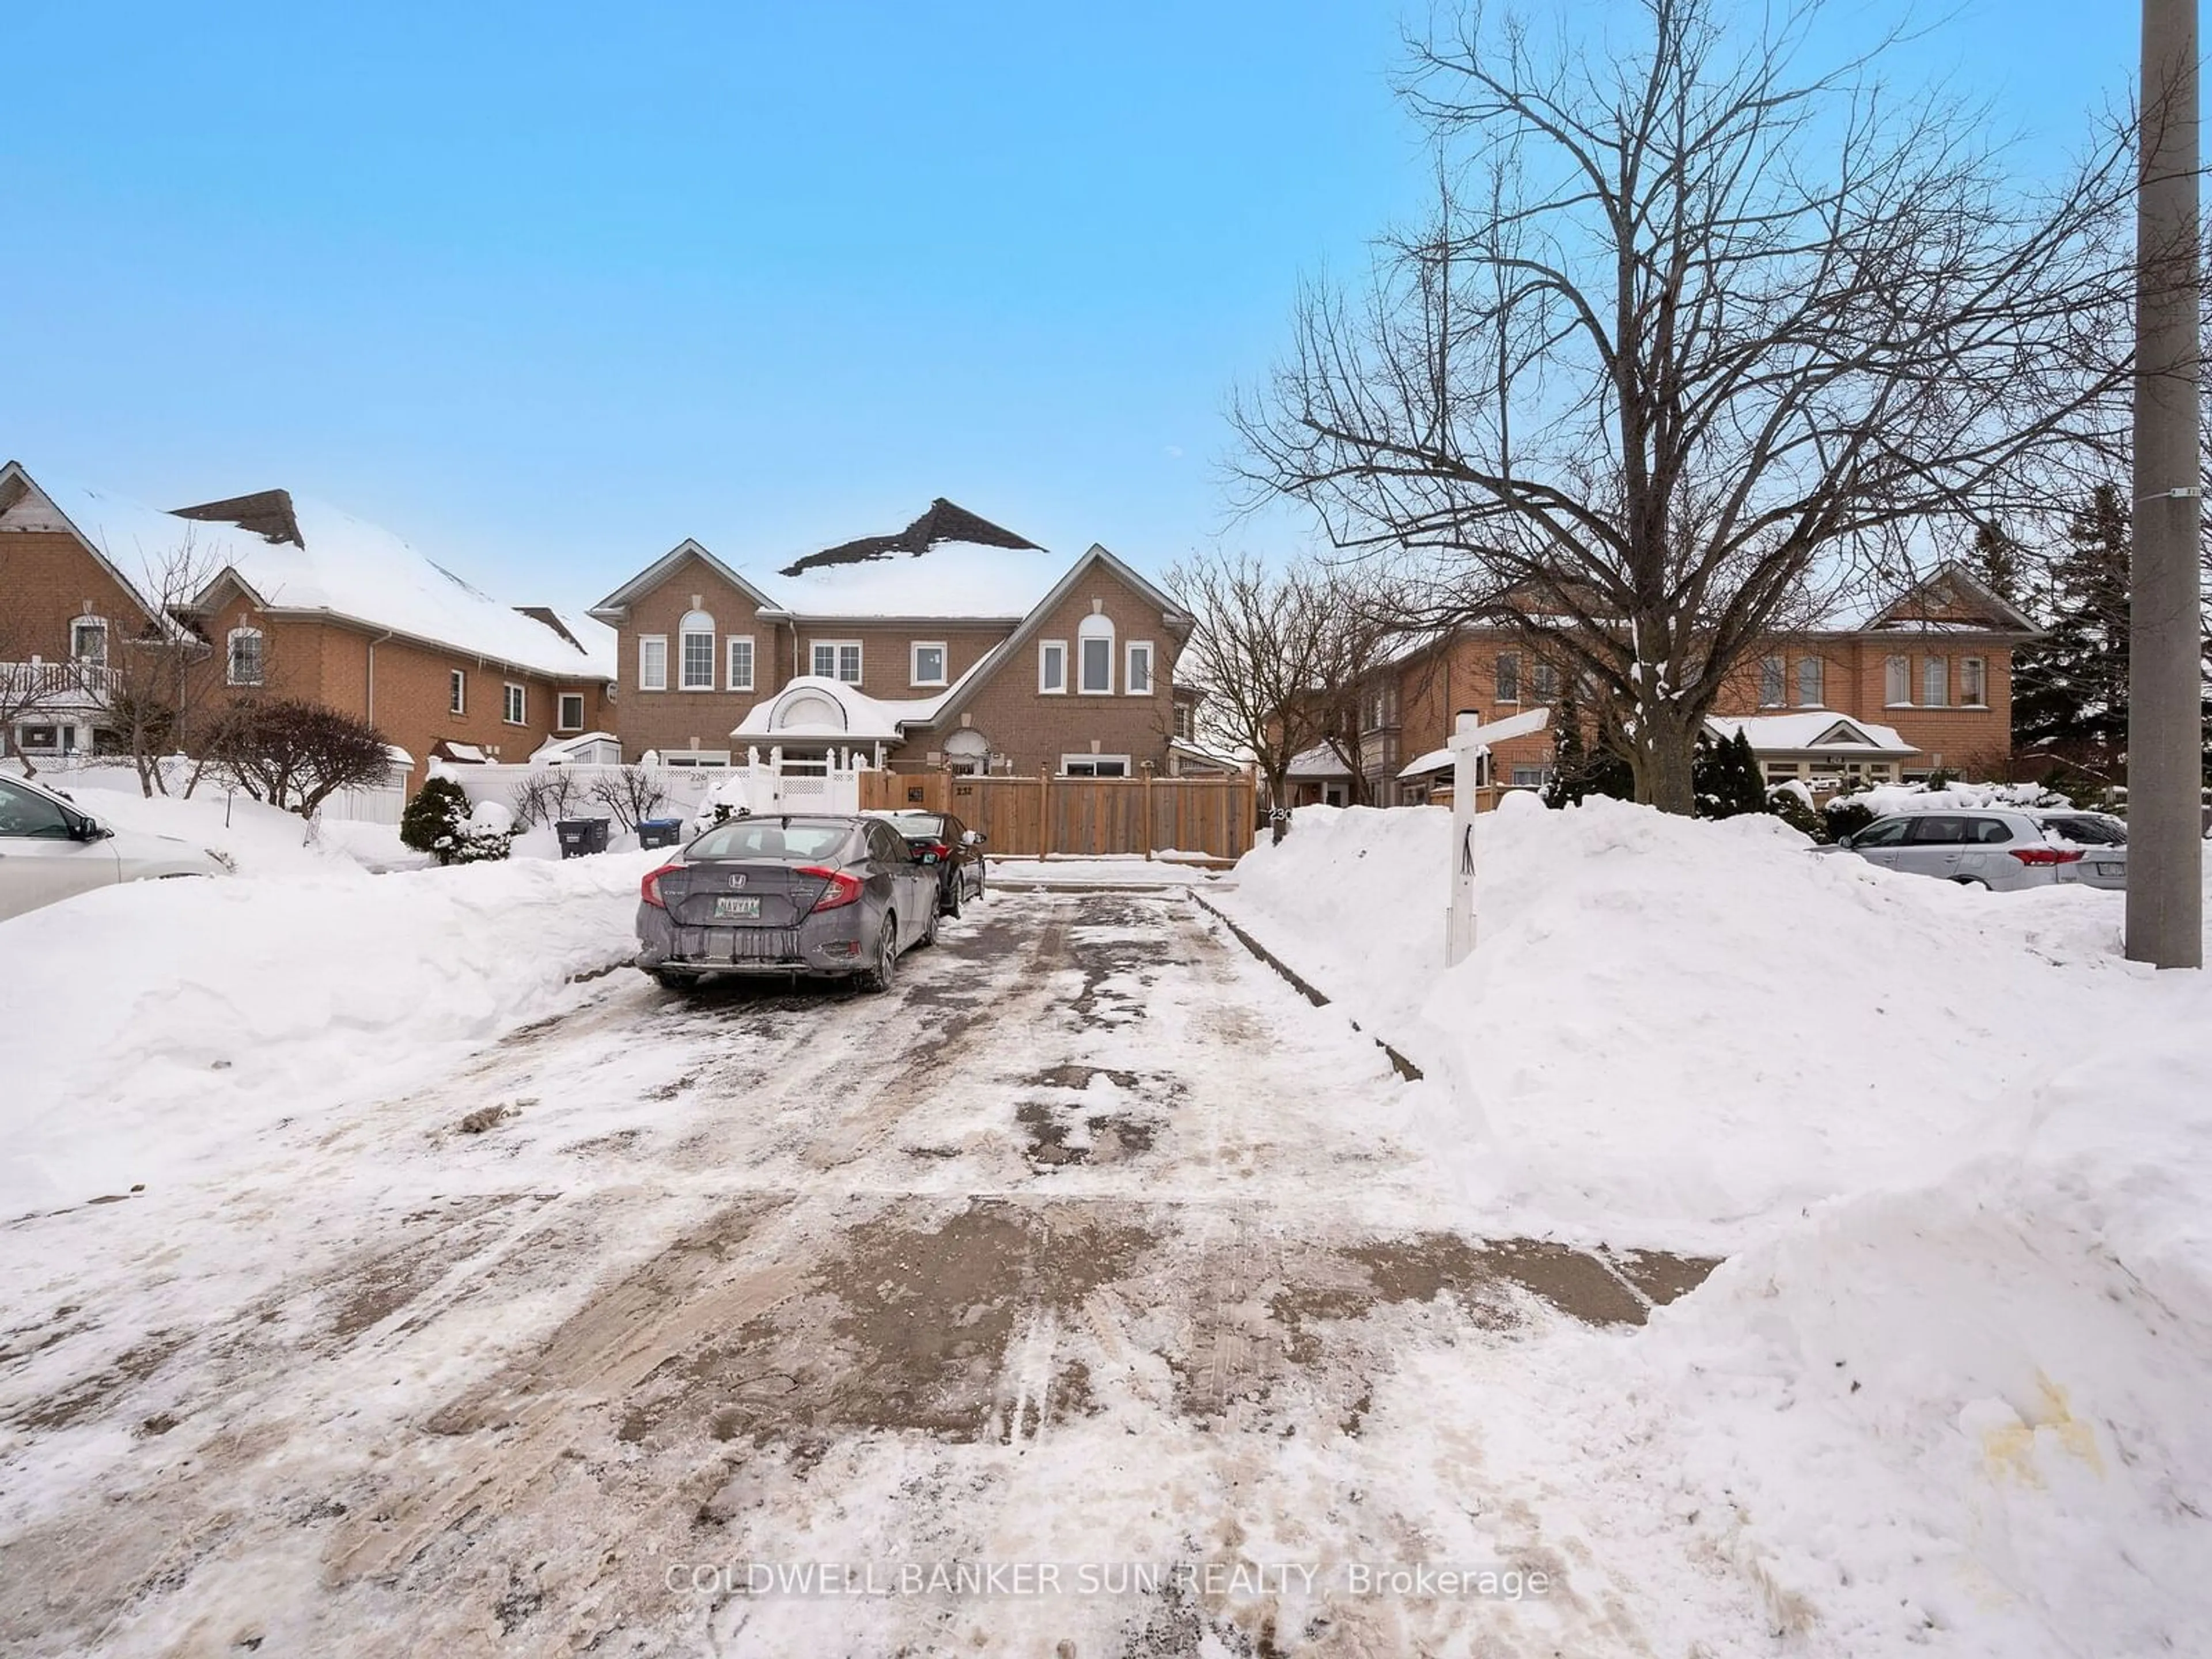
column 740, row 677
column 566, row 698
column 514, row 704
column 1094, row 766
column 1812, row 683
column 1773, row 683
column 915, row 676
column 842, row 654
column 1097, row 630
column 1137, row 681
column 1897, row 683
column 652, row 662
column 1935, row 681
column 250, row 673
column 1052, row 668
column 457, row 691
column 83, row 626
column 1505, row 679
column 1973, row 683
column 695, row 653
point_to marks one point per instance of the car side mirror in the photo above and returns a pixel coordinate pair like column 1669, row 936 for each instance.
column 86, row 829
column 972, row 837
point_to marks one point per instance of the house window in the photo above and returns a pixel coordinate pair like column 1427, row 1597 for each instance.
column 1897, row 682
column 46, row 739
column 1094, row 665
column 457, row 693
column 1782, row 769
column 1186, row 724
column 1137, row 673
column 571, row 711
column 1508, row 677
column 1772, row 683
column 695, row 655
column 1382, row 708
column 741, row 662
column 652, row 662
column 1052, row 665
column 837, row 659
column 1935, row 681
column 1973, row 683
column 88, row 642
column 1544, row 681
column 514, row 704
column 928, row 664
column 1812, row 673
column 245, row 661
column 1094, row 766
column 1531, row 777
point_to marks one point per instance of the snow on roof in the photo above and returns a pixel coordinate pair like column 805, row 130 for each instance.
column 1815, row 730
column 950, row 579
column 816, row 710
column 1323, row 760
column 948, row 562
column 341, row 564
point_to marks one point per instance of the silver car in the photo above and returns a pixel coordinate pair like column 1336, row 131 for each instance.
column 824, row 896
column 2102, row 838
column 1998, row 847
column 50, row 849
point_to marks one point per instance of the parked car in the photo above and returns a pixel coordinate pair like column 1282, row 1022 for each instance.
column 941, row 839
column 50, row 848
column 2003, row 849
column 826, row 895
column 2102, row 838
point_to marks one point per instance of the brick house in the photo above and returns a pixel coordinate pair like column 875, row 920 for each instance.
column 288, row 597
column 953, row 643
column 1921, row 682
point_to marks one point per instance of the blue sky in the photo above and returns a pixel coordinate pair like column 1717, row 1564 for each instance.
column 547, row 289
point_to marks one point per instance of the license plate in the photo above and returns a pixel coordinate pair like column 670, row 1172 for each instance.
column 738, row 906
column 2111, row 869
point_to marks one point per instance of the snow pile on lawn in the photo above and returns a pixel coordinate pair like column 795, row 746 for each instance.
column 1966, row 1415
column 1886, row 797
column 158, row 1027
column 1674, row 1030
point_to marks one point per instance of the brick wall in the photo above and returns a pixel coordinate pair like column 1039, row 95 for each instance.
column 1034, row 730
column 676, row 719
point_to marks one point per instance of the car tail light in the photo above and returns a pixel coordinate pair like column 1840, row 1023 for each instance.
column 841, row 889
column 649, row 889
column 937, row 849
column 2046, row 855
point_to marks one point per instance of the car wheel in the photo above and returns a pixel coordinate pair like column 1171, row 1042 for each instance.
column 879, row 977
column 1970, row 881
column 673, row 981
column 951, row 905
column 929, row 931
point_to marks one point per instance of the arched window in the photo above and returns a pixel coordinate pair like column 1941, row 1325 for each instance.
column 696, row 652
column 1094, row 659
column 244, row 663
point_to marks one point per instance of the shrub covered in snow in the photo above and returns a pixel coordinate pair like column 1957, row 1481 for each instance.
column 440, row 821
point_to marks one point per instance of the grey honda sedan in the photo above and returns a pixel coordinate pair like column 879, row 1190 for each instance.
column 826, row 895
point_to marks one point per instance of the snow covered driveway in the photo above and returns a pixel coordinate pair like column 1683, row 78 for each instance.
column 1075, row 1298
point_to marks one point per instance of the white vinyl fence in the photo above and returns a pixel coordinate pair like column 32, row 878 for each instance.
column 763, row 784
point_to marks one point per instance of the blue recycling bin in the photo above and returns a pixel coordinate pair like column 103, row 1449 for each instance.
column 660, row 832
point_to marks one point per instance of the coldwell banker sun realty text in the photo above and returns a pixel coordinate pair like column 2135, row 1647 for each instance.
column 1021, row 1579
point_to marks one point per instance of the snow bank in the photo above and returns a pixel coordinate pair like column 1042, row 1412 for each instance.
column 1969, row 1413
column 155, row 1028
column 1681, row 1030
column 257, row 838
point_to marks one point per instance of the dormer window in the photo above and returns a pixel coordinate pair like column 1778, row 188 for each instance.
column 88, row 642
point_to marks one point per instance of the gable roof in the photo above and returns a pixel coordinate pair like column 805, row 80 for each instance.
column 1953, row 586
column 1003, row 653
column 297, row 554
column 1818, row 729
column 132, row 552
column 611, row 609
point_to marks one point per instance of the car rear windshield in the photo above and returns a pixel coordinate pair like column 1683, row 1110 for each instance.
column 2088, row 831
column 770, row 838
column 915, row 825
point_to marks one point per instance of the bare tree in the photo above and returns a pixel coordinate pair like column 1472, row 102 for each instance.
column 1278, row 651
column 1694, row 340
column 630, row 792
column 161, row 690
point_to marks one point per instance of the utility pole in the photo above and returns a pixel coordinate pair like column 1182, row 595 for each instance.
column 2165, row 848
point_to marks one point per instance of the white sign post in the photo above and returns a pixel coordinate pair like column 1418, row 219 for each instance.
column 1468, row 750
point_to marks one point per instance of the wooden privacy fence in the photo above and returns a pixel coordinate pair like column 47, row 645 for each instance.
column 1083, row 817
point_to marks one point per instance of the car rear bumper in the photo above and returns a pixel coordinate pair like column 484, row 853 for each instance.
column 824, row 945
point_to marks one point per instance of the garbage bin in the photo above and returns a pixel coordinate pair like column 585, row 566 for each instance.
column 582, row 835
column 660, row 832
